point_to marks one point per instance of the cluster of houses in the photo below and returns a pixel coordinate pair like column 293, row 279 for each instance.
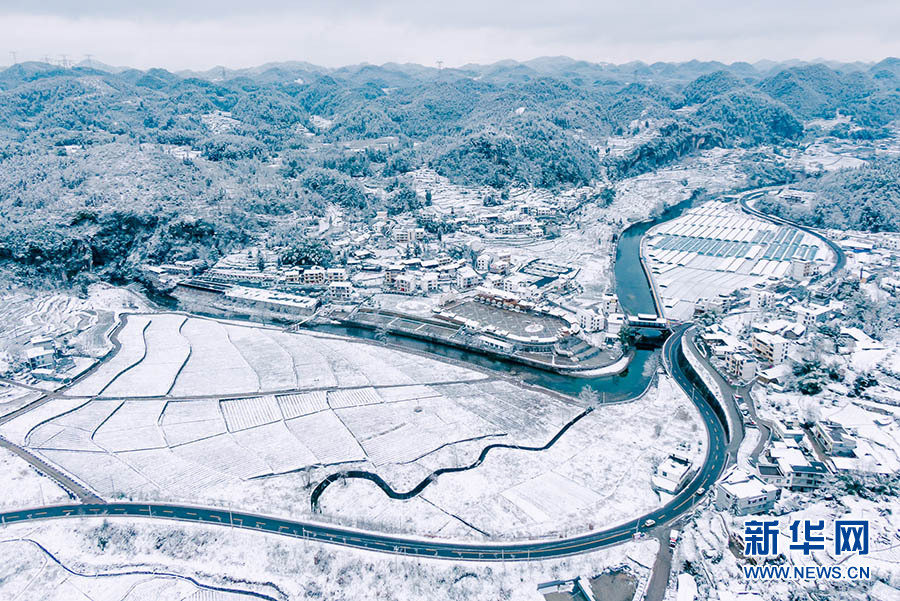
column 763, row 353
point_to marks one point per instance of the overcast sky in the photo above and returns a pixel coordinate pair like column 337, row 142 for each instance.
column 198, row 35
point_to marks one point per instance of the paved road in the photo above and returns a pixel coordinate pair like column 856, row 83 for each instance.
column 706, row 477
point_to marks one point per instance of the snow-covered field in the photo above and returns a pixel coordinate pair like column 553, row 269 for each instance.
column 27, row 571
column 401, row 415
column 277, row 567
column 168, row 354
column 82, row 322
column 23, row 486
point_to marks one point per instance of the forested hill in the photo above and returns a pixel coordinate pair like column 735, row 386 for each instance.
column 189, row 162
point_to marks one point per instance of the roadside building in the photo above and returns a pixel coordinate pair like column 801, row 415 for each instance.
column 483, row 262
column 742, row 493
column 771, row 348
column 671, row 474
column 802, row 269
column 785, row 465
column 741, row 365
column 40, row 358
column 788, row 429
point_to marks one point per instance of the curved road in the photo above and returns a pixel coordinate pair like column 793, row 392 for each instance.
column 840, row 256
column 706, row 477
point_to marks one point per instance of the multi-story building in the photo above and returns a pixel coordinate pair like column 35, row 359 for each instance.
column 834, row 438
column 802, row 269
column 591, row 320
column 340, row 291
column 741, row 365
column 771, row 348
column 315, row 275
column 610, row 303
column 784, row 464
column 405, row 283
column 466, row 278
column 335, row 274
column 761, row 300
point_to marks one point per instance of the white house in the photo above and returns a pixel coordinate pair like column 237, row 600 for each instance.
column 591, row 320
column 466, row 278
column 671, row 474
column 744, row 494
column 340, row 291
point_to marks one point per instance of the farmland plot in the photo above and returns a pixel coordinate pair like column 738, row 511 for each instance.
column 103, row 472
column 310, row 364
column 72, row 430
column 174, row 474
column 277, row 446
column 412, row 392
column 187, row 421
column 241, row 414
column 222, row 454
column 167, row 351
column 273, row 364
column 132, row 427
column 131, row 337
column 354, row 397
column 327, row 437
column 215, row 365
column 295, row 405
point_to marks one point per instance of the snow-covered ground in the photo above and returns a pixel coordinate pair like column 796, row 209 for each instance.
column 23, row 486
column 82, row 322
column 704, row 552
column 277, row 567
column 346, row 403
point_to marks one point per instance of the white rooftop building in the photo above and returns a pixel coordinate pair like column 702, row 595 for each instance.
column 743, row 493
